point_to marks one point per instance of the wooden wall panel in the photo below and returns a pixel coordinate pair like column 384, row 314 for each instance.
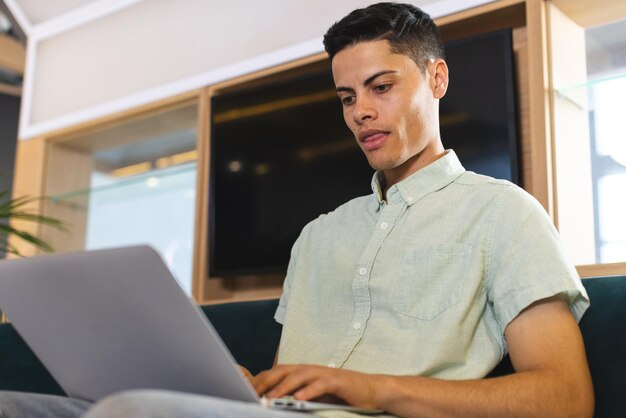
column 539, row 105
column 68, row 170
column 28, row 180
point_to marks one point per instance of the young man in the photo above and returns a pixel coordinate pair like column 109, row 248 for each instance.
column 416, row 292
column 404, row 300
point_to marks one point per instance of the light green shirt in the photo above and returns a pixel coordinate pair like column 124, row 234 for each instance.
column 424, row 283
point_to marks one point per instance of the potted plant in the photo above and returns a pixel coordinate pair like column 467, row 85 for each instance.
column 17, row 209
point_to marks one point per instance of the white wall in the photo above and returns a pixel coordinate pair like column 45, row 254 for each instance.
column 93, row 58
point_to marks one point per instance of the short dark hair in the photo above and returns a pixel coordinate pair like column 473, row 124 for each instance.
column 408, row 29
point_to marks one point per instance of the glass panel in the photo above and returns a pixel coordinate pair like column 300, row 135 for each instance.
column 606, row 69
column 601, row 98
column 612, row 222
column 136, row 185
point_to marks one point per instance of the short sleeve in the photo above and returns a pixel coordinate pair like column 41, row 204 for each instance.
column 281, row 311
column 526, row 260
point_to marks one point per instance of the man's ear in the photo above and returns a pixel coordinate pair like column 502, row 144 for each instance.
column 438, row 71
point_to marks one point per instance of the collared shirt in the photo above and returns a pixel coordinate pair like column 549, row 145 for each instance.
column 425, row 282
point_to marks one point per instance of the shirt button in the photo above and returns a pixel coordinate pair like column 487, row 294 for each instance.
column 362, row 271
column 410, row 198
column 356, row 325
column 384, row 225
column 332, row 365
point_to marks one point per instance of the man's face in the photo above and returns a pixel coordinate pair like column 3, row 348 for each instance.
column 390, row 106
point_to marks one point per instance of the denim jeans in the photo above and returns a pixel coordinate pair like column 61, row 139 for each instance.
column 140, row 404
column 162, row 404
column 33, row 405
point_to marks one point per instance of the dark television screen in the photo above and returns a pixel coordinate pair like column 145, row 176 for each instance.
column 281, row 154
column 478, row 112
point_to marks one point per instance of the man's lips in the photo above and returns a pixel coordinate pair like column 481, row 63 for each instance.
column 373, row 139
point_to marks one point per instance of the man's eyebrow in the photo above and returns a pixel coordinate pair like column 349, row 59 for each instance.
column 367, row 82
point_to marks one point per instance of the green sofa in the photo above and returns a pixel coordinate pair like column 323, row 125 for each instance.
column 248, row 329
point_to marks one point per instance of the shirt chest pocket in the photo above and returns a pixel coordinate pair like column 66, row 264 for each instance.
column 430, row 281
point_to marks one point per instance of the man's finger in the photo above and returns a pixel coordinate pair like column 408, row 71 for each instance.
column 265, row 381
column 316, row 389
column 246, row 373
column 295, row 380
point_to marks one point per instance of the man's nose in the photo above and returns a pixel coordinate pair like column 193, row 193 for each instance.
column 364, row 110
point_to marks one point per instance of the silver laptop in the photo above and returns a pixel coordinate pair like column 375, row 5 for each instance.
column 112, row 320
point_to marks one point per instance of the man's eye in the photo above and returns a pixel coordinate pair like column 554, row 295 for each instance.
column 348, row 100
column 381, row 88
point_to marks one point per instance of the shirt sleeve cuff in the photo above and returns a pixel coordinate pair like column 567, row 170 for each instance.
column 510, row 305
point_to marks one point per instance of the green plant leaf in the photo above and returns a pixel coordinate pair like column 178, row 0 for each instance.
column 28, row 237
column 15, row 209
column 44, row 220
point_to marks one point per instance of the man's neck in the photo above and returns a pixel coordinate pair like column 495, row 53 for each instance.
column 413, row 165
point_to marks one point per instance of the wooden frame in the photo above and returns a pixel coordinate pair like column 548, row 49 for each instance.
column 529, row 17
column 199, row 285
column 601, row 270
column 13, row 57
column 10, row 90
column 586, row 14
column 28, row 180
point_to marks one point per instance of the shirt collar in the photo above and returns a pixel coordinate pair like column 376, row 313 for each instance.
column 431, row 178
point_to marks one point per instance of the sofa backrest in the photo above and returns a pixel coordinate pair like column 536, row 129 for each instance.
column 604, row 331
column 248, row 330
column 20, row 369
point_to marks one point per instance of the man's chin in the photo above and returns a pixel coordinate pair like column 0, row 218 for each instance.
column 381, row 165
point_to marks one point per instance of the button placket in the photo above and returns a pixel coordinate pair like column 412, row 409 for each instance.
column 360, row 284
column 388, row 216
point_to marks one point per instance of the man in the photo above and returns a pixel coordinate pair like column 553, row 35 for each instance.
column 405, row 299
column 429, row 274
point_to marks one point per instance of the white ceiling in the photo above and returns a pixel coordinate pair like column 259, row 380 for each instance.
column 87, row 59
column 34, row 13
column 40, row 11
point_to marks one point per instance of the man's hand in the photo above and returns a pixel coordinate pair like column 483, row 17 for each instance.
column 326, row 384
column 246, row 373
